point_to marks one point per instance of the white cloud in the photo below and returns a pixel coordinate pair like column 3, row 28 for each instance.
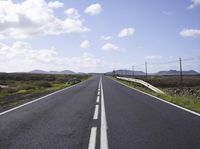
column 93, row 9
column 13, row 57
column 55, row 4
column 194, row 4
column 85, row 44
column 72, row 13
column 126, row 32
column 29, row 18
column 106, row 37
column 190, row 33
column 111, row 47
column 167, row 13
column 153, row 57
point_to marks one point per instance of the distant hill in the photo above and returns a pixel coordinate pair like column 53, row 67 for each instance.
column 52, row 72
column 38, row 71
column 128, row 72
column 165, row 72
column 175, row 72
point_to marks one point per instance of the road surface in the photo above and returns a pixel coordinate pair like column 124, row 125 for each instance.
column 99, row 114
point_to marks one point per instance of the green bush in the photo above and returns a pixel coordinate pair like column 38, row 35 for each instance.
column 73, row 81
column 22, row 91
column 28, row 88
column 43, row 84
column 10, row 90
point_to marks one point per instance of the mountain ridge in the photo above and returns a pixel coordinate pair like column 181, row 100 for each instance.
column 38, row 71
column 163, row 72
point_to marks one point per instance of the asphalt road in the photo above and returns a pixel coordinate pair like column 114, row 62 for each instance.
column 99, row 113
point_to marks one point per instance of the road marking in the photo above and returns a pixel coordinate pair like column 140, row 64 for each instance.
column 177, row 106
column 96, row 112
column 103, row 134
column 98, row 94
column 92, row 141
column 98, row 99
column 20, row 106
column 99, row 87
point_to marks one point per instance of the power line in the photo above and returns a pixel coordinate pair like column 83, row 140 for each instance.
column 175, row 61
column 162, row 63
column 194, row 60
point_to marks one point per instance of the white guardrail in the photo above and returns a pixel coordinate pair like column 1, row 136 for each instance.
column 151, row 87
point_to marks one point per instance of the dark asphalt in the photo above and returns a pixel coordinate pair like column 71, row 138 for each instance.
column 61, row 121
column 138, row 121
column 64, row 121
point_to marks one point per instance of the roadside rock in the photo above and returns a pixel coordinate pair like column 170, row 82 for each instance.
column 185, row 91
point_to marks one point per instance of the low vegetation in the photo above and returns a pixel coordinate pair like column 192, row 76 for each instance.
column 172, row 81
column 190, row 85
column 16, row 88
column 186, row 94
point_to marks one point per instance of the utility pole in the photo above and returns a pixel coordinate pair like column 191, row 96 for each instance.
column 113, row 73
column 133, row 70
column 146, row 69
column 181, row 73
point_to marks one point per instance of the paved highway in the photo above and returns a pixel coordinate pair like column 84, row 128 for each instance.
column 99, row 114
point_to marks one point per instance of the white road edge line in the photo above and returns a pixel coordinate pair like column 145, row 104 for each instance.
column 96, row 112
column 20, row 106
column 103, row 133
column 97, row 99
column 177, row 106
column 92, row 141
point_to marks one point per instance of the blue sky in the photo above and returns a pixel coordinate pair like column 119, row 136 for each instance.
column 99, row 36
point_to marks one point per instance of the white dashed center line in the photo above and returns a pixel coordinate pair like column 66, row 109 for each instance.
column 103, row 129
column 96, row 112
column 92, row 141
column 98, row 99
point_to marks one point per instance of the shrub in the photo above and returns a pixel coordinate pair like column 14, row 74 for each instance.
column 73, row 81
column 44, row 84
column 22, row 91
column 28, row 88
column 10, row 90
